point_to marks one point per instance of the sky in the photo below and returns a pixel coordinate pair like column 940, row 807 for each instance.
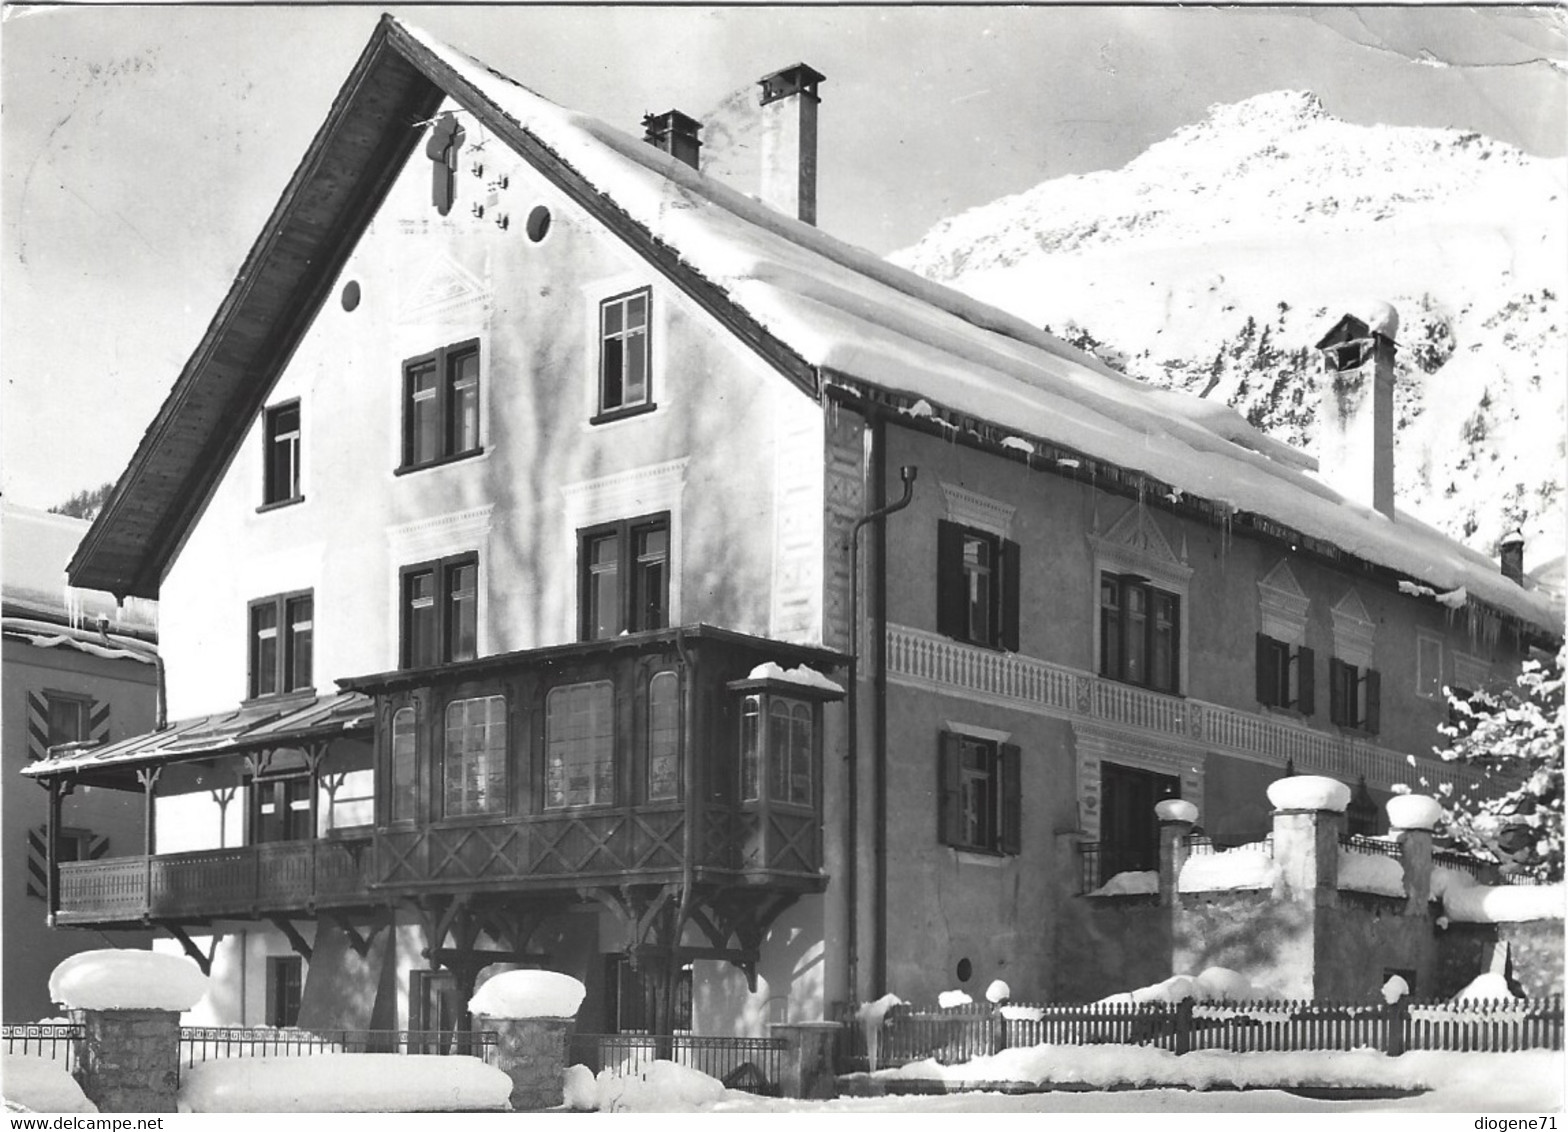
column 142, row 148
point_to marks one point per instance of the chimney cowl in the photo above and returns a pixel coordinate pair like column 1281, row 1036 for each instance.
column 675, row 133
column 788, row 147
column 1356, row 410
column 796, row 79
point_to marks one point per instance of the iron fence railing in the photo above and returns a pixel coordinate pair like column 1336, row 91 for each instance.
column 960, row 1034
column 751, row 1064
column 210, row 1043
column 58, row 1041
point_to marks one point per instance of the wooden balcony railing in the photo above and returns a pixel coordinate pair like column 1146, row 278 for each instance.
column 284, row 876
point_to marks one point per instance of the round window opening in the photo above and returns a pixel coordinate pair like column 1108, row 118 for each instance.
column 350, row 294
column 538, row 223
column 965, row 969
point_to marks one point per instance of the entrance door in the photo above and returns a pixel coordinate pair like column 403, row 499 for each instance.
column 1129, row 831
column 434, row 1007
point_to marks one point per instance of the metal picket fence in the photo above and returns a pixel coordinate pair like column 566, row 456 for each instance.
column 57, row 1041
column 750, row 1064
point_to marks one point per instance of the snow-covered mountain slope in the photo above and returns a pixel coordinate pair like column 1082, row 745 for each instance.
column 1215, row 260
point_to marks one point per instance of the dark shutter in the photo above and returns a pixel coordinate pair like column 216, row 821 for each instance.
column 1012, row 807
column 1336, row 690
column 1010, row 588
column 951, row 612
column 1306, row 680
column 1264, row 656
column 948, row 764
column 1374, row 684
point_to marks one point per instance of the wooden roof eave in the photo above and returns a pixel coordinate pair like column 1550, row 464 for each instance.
column 272, row 301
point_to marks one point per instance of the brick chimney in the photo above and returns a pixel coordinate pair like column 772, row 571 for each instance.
column 1356, row 411
column 675, row 134
column 789, row 140
column 1511, row 555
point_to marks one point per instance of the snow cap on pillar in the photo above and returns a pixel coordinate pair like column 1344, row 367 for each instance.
column 1413, row 811
column 1176, row 809
column 1309, row 792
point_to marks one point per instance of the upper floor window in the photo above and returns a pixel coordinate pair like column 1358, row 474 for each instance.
column 441, row 406
column 282, row 631
column 777, row 749
column 1354, row 696
column 403, row 794
column 979, row 794
column 625, row 383
column 440, row 611
column 280, row 809
column 580, row 745
column 1429, row 667
column 70, row 718
column 1140, row 633
column 473, row 757
column 624, row 580
column 977, row 586
column 1285, row 675
column 281, row 426
column 664, row 741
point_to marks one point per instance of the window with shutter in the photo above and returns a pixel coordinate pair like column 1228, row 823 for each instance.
column 977, row 586
column 1140, row 633
column 1284, row 675
column 1355, row 696
column 979, row 799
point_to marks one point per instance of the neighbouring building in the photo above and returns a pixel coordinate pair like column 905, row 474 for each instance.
column 569, row 560
column 79, row 672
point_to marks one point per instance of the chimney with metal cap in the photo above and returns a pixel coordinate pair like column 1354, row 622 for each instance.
column 1356, row 410
column 789, row 140
column 674, row 133
column 1511, row 555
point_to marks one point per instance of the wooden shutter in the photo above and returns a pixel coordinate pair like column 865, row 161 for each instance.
column 1374, row 694
column 1010, row 591
column 1263, row 658
column 948, row 779
column 1336, row 691
column 1012, row 801
column 951, row 612
column 1306, row 680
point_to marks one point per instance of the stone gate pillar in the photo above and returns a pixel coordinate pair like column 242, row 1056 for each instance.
column 130, row 1059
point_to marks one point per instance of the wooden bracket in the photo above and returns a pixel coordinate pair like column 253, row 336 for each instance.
column 296, row 941
column 203, row 959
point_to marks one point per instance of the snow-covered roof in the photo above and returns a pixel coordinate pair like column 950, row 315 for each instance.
column 42, row 608
column 863, row 320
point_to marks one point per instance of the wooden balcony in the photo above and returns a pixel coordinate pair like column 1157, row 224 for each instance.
column 285, row 877
column 631, row 845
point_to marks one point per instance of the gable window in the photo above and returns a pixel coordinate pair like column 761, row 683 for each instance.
column 625, row 384
column 440, row 611
column 282, row 633
column 473, row 757
column 624, row 579
column 1354, row 696
column 441, row 406
column 1285, row 675
column 281, row 427
column 979, row 802
column 580, row 745
column 285, row 981
column 664, row 742
column 977, row 586
column 1140, row 633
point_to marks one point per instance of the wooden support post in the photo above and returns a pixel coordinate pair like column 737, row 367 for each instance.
column 149, row 780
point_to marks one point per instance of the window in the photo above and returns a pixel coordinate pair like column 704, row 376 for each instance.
column 977, row 586
column 441, row 406
column 70, row 845
column 280, row 809
column 282, row 430
column 70, row 718
column 285, row 981
column 979, row 794
column 664, row 741
column 580, row 746
column 282, row 632
column 474, row 757
column 624, row 579
column 1429, row 668
column 625, row 385
column 1354, row 695
column 777, row 748
column 440, row 611
column 1140, row 633
column 1129, row 829
column 1285, row 675
column 404, row 792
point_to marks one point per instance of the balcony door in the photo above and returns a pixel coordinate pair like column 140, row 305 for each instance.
column 1129, row 831
column 280, row 809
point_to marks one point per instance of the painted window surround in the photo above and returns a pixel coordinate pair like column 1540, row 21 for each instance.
column 436, row 537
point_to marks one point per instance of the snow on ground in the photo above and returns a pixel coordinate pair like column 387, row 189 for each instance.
column 345, row 1082
column 40, row 1084
column 114, row 979
column 1504, row 904
column 529, row 994
column 1246, row 866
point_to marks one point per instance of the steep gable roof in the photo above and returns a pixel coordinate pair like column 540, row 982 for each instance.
column 821, row 311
